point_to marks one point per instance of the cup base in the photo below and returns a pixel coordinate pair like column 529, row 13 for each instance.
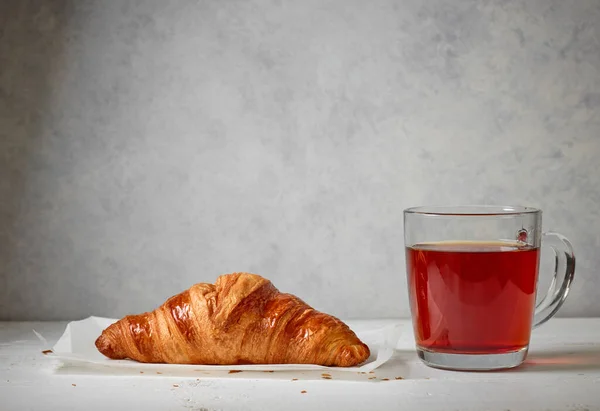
column 472, row 362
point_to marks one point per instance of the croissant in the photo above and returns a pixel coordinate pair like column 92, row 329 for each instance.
column 241, row 319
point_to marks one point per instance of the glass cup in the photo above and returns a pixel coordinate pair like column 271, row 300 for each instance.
column 472, row 280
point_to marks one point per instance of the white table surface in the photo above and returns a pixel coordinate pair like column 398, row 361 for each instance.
column 562, row 373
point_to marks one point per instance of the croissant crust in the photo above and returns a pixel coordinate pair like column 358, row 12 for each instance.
column 241, row 319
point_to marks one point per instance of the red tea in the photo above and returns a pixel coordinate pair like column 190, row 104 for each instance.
column 472, row 297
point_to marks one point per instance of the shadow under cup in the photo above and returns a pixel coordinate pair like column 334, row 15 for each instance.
column 472, row 279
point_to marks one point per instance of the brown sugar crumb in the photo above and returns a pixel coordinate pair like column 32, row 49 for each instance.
column 372, row 378
column 398, row 378
column 141, row 372
column 74, row 385
column 234, row 371
column 371, row 372
column 303, row 392
column 46, row 352
column 385, row 379
column 269, row 371
column 325, row 374
column 158, row 372
column 327, row 378
column 176, row 385
column 294, row 379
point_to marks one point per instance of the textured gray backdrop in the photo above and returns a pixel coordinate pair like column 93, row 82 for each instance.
column 149, row 145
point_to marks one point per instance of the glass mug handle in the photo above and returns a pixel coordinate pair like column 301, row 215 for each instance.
column 564, row 271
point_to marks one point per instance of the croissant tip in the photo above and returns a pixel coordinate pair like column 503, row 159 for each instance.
column 105, row 346
column 352, row 355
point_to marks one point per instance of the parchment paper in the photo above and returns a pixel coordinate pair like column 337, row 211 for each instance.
column 76, row 345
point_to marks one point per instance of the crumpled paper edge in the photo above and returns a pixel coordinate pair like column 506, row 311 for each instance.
column 381, row 340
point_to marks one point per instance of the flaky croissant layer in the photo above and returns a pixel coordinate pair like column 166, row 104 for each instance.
column 241, row 319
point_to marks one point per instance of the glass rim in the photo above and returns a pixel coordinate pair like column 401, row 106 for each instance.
column 471, row 210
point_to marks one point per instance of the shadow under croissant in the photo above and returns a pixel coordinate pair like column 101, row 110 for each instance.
column 395, row 369
column 73, row 370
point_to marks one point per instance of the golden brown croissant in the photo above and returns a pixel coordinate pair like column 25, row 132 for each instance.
column 241, row 319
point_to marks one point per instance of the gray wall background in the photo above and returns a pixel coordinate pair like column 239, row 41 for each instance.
column 149, row 145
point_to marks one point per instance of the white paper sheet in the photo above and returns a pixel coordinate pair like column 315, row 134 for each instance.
column 76, row 345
